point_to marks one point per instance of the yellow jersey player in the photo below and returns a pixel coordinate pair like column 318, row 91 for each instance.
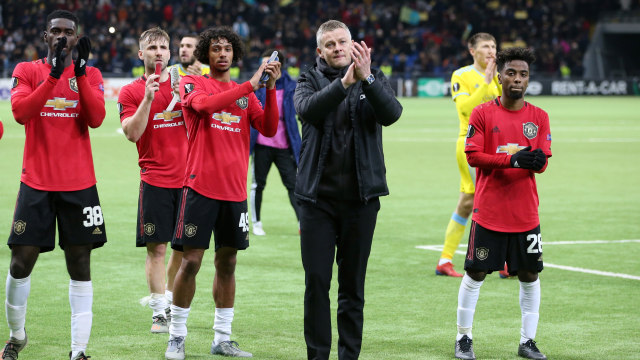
column 188, row 64
column 470, row 86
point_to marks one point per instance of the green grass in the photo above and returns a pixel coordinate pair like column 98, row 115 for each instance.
column 589, row 192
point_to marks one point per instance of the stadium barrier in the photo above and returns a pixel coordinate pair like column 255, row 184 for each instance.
column 439, row 87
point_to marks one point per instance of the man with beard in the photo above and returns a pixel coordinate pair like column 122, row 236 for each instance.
column 505, row 224
column 188, row 64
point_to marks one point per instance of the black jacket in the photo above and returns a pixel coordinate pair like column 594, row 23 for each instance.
column 370, row 106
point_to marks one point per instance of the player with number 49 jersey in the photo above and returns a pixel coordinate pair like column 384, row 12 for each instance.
column 219, row 138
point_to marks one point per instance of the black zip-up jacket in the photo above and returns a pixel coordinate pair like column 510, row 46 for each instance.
column 370, row 107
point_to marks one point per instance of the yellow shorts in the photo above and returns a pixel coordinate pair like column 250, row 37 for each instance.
column 467, row 173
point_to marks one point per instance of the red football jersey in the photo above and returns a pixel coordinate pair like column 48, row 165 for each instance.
column 506, row 200
column 218, row 158
column 162, row 148
column 56, row 114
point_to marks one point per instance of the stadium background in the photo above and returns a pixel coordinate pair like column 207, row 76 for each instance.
column 581, row 45
column 590, row 201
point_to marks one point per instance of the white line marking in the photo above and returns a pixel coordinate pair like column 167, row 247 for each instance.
column 562, row 267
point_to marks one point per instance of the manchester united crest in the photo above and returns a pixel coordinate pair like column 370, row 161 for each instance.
column 149, row 229
column 243, row 102
column 482, row 253
column 190, row 230
column 73, row 84
column 530, row 130
column 19, row 227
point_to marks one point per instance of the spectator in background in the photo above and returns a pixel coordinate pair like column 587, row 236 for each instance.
column 283, row 149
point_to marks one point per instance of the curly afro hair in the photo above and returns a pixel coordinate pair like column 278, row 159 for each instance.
column 220, row 32
column 515, row 53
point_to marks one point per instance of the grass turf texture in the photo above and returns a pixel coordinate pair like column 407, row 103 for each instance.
column 589, row 192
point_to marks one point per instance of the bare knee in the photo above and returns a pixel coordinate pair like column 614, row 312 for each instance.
column 527, row 276
column 190, row 263
column 156, row 251
column 78, row 260
column 477, row 275
column 23, row 259
column 225, row 261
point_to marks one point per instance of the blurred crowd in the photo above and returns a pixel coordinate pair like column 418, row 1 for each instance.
column 407, row 38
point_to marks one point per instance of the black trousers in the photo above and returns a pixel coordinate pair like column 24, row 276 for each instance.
column 344, row 230
column 263, row 157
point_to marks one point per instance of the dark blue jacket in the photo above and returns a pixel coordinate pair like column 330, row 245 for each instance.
column 291, row 124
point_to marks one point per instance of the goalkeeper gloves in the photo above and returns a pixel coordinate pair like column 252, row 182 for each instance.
column 57, row 63
column 84, row 49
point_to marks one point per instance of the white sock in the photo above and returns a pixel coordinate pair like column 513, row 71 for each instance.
column 443, row 261
column 178, row 325
column 158, row 303
column 17, row 293
column 81, row 301
column 169, row 296
column 467, row 300
column 222, row 325
column 530, row 307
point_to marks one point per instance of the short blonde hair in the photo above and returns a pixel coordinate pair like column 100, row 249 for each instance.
column 330, row 26
column 152, row 34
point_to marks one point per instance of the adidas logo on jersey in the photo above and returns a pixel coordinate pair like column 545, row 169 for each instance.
column 96, row 231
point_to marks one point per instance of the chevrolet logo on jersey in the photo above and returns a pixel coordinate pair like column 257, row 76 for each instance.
column 226, row 118
column 61, row 103
column 510, row 148
column 167, row 115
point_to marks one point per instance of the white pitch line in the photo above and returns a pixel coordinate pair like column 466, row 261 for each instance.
column 563, row 267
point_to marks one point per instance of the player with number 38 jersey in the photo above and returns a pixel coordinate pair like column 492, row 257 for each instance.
column 57, row 99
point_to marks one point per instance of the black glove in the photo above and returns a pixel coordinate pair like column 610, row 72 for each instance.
column 84, row 49
column 57, row 63
column 523, row 159
column 540, row 159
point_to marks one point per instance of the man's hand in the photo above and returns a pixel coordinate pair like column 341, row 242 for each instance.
column 57, row 63
column 84, row 49
column 151, row 86
column 361, row 56
column 273, row 69
column 524, row 159
column 194, row 69
column 540, row 159
column 349, row 77
column 490, row 70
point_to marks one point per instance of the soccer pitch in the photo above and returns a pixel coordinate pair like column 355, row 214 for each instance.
column 590, row 220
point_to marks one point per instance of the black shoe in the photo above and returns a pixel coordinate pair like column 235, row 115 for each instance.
column 529, row 350
column 464, row 349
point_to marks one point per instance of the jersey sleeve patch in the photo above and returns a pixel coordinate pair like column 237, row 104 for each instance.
column 188, row 88
column 456, row 87
column 471, row 131
column 14, row 82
